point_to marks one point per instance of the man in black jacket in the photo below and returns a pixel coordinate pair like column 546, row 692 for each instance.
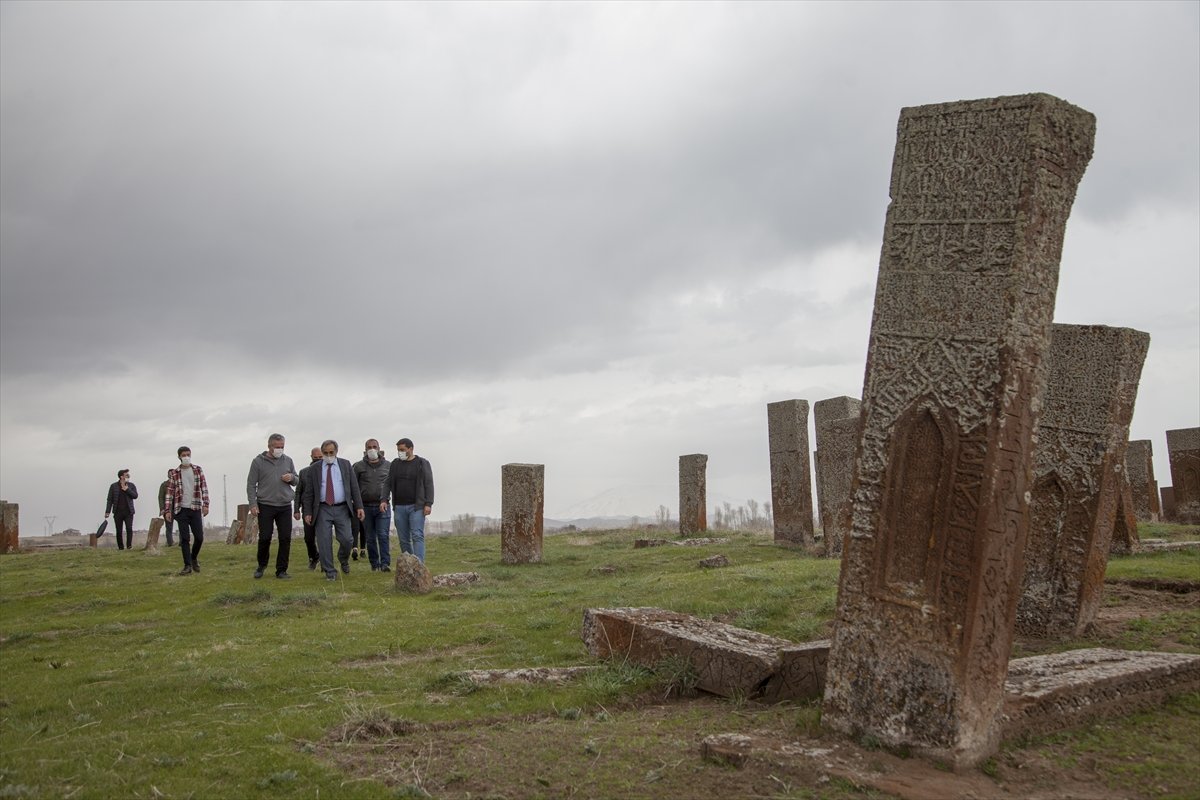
column 410, row 485
column 120, row 504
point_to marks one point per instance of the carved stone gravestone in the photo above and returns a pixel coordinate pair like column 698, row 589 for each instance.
column 837, row 437
column 693, row 518
column 1091, row 384
column 791, row 480
column 1183, row 450
column 1139, row 466
column 1125, row 533
column 153, row 534
column 1167, row 495
column 522, row 498
column 981, row 191
column 248, row 529
column 10, row 527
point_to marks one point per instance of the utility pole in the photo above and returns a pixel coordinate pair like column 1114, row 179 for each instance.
column 49, row 525
column 225, row 500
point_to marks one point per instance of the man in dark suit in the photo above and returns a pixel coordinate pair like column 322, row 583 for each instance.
column 331, row 496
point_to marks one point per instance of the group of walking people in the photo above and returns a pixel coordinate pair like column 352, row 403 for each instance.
column 334, row 498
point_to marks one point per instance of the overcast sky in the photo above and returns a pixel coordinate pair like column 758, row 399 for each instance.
column 593, row 236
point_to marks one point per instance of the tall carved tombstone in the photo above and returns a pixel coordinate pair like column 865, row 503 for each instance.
column 1091, row 384
column 247, row 527
column 981, row 191
column 1125, row 539
column 693, row 518
column 522, row 501
column 1183, row 450
column 10, row 527
column 791, row 480
column 1139, row 465
column 837, row 437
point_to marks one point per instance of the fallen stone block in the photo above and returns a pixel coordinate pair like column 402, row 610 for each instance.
column 638, row 544
column 801, row 673
column 728, row 661
column 487, row 677
column 1155, row 547
column 1061, row 690
column 719, row 560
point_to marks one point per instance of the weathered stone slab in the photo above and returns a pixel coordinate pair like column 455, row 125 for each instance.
column 455, row 579
column 1160, row 546
column 412, row 576
column 639, row 544
column 552, row 675
column 1139, row 466
column 522, row 503
column 10, row 527
column 693, row 492
column 1167, row 495
column 1125, row 533
column 791, row 479
column 247, row 526
column 1092, row 384
column 1183, row 450
column 234, row 535
column 931, row 572
column 728, row 661
column 837, row 438
column 153, row 534
column 712, row 562
column 1052, row 692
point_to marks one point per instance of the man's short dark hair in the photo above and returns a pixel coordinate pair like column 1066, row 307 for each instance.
column 121, row 472
column 405, row 441
column 181, row 450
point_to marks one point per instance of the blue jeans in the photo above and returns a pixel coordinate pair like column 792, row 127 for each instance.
column 410, row 529
column 378, row 525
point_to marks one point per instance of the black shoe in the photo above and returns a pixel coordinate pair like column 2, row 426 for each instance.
column 258, row 573
column 185, row 571
column 331, row 576
column 283, row 576
column 354, row 553
column 374, row 568
column 312, row 563
column 195, row 566
column 385, row 568
column 345, row 568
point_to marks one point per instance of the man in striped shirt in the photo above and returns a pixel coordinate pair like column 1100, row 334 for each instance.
column 187, row 503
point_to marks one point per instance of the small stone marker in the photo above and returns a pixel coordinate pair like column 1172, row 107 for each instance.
column 10, row 527
column 693, row 494
column 1167, row 495
column 837, row 438
column 791, row 480
column 93, row 540
column 412, row 576
column 455, row 579
column 522, row 498
column 719, row 560
column 981, row 191
column 152, row 535
column 1139, row 466
column 1092, row 379
column 1183, row 450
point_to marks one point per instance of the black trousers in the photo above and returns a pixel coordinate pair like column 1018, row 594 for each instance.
column 169, row 525
column 271, row 518
column 191, row 533
column 310, row 542
column 126, row 522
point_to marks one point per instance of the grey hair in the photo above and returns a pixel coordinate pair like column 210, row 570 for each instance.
column 276, row 437
column 329, row 441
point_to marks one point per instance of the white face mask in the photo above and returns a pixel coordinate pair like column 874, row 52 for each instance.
column 373, row 454
column 329, row 459
column 186, row 461
column 277, row 452
column 403, row 456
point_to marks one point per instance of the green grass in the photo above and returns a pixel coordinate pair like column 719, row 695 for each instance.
column 120, row 679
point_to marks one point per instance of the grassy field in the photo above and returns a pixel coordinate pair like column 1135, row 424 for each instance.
column 120, row 679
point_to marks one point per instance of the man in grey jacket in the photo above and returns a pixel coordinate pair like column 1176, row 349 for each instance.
column 270, row 489
column 372, row 473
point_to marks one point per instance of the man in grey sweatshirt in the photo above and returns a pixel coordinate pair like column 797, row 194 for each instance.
column 270, row 489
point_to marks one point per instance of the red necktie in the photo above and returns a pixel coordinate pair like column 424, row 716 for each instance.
column 329, row 484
